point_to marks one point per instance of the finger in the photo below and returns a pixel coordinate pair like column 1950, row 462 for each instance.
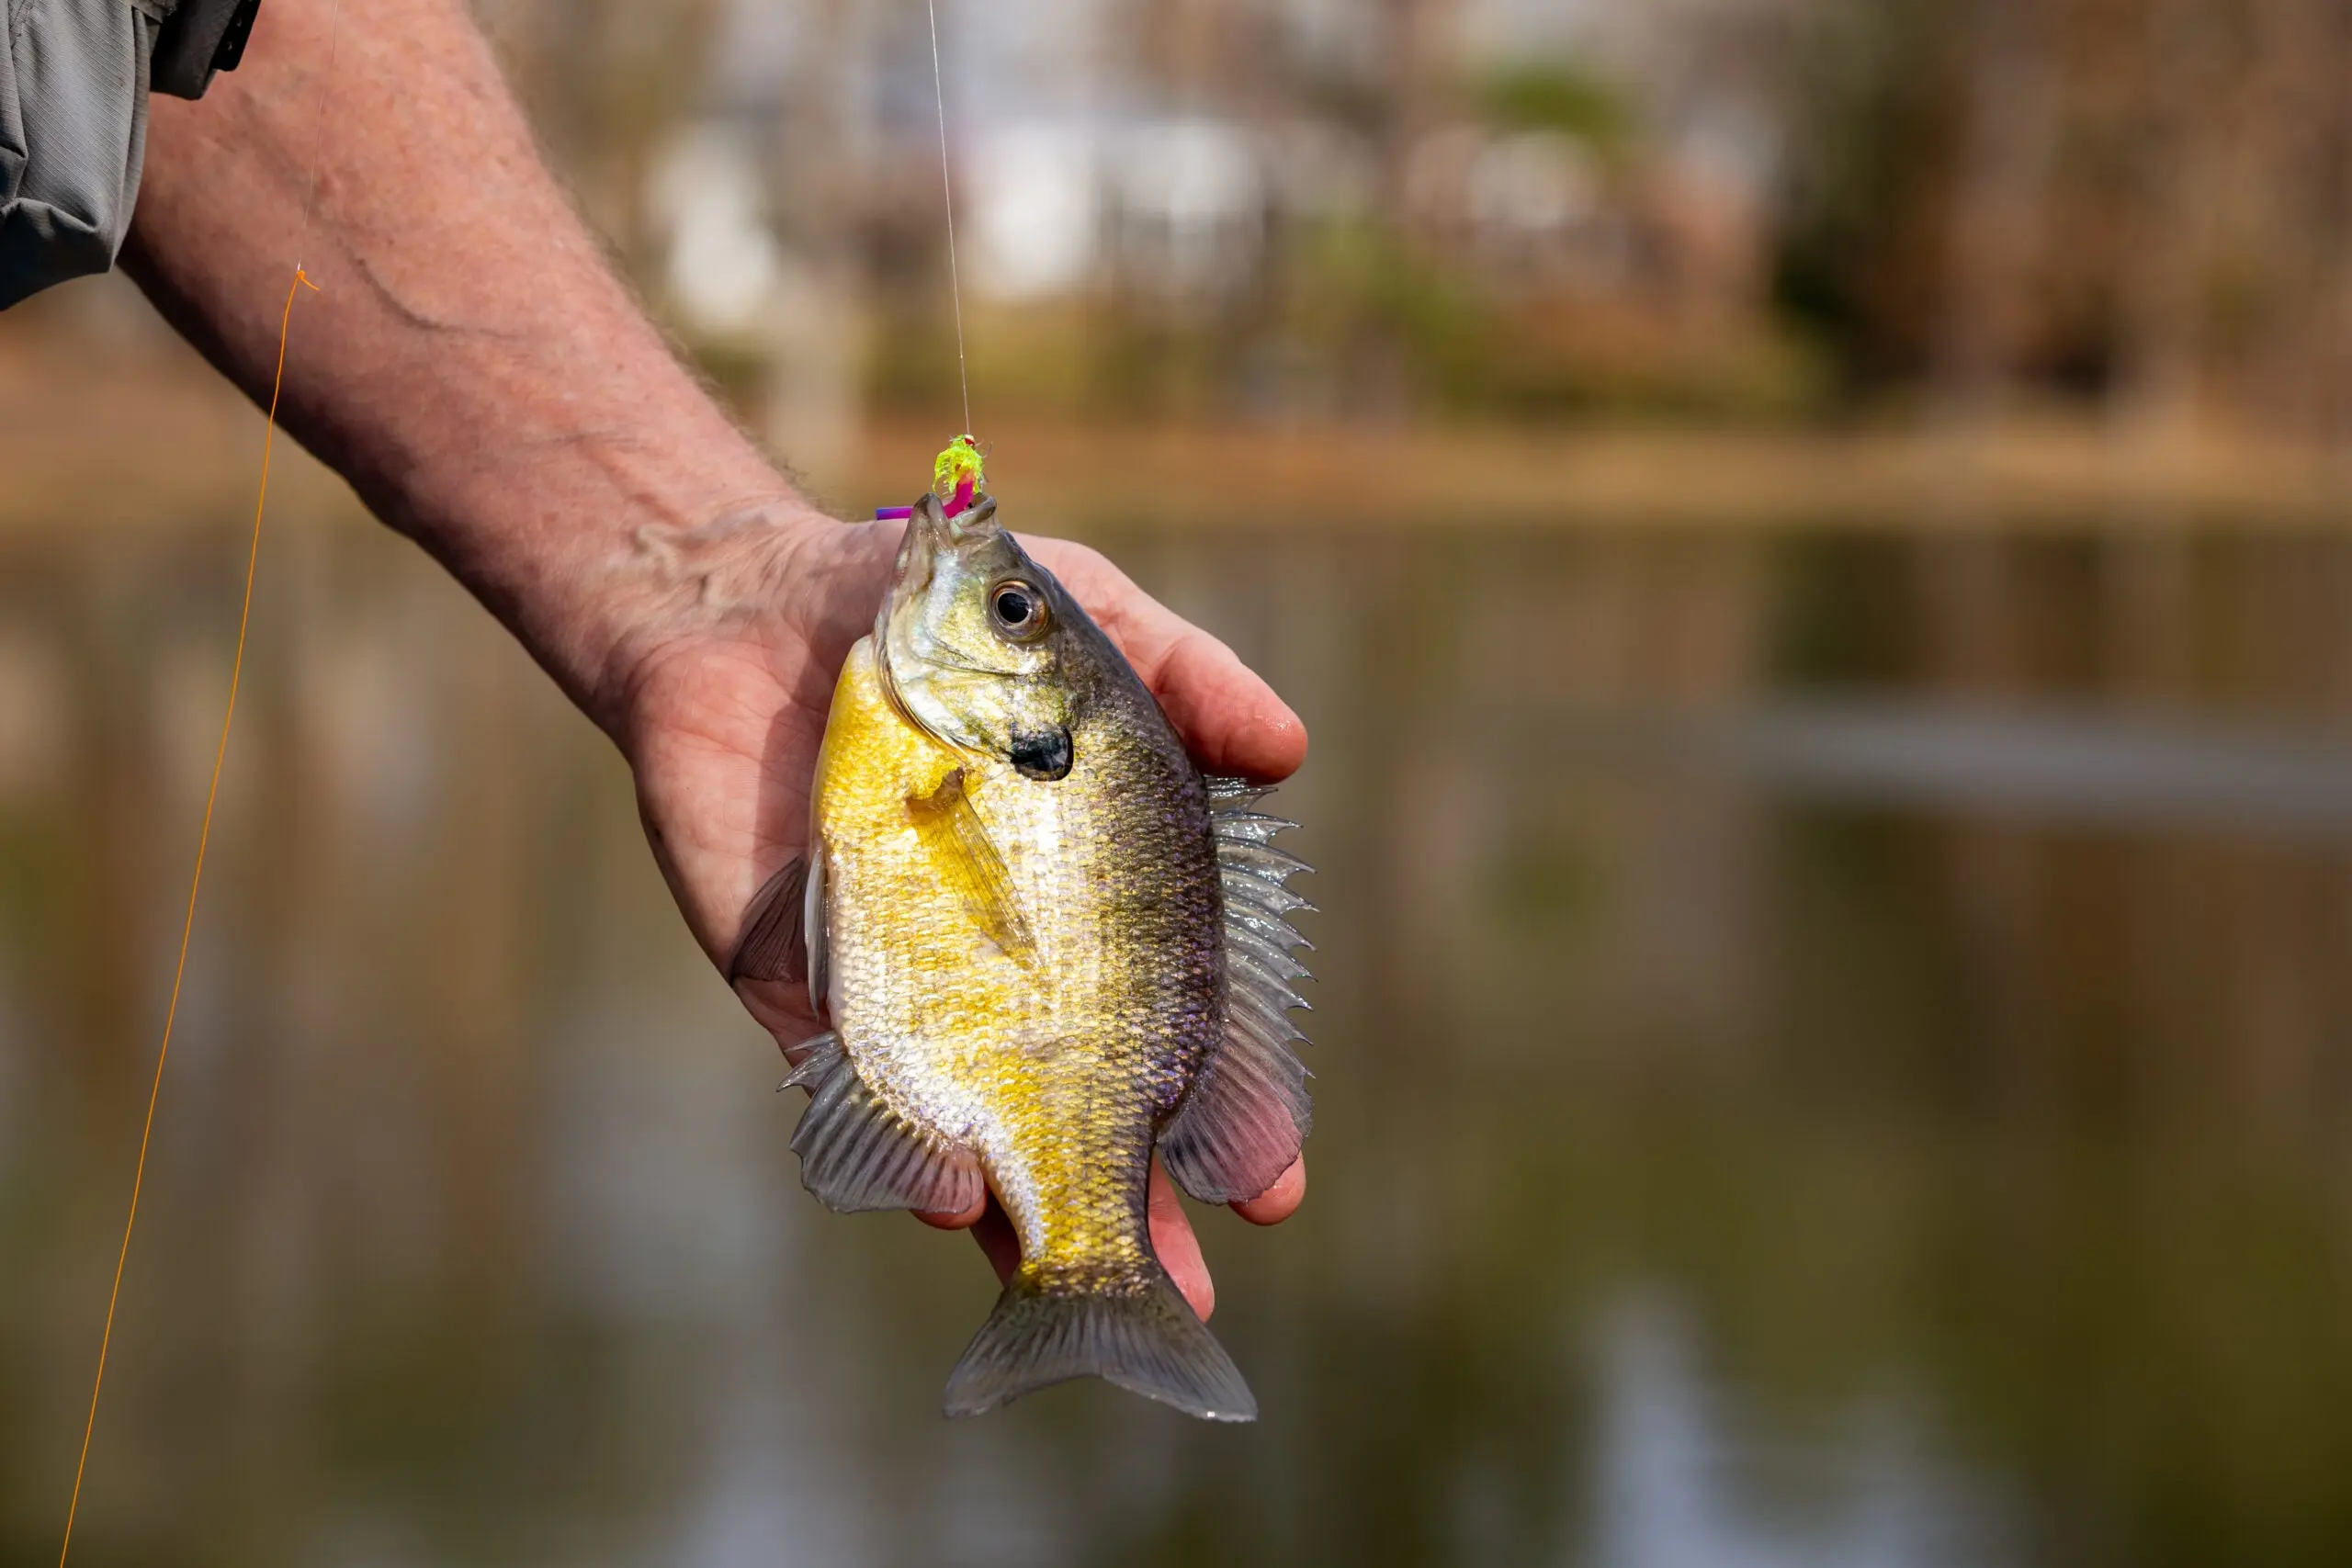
column 964, row 1219
column 1280, row 1200
column 1231, row 720
column 1178, row 1247
column 999, row 1244
column 782, row 1008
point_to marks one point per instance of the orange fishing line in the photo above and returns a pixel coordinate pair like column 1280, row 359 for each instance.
column 187, row 926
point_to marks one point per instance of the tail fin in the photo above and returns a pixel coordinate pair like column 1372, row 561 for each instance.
column 1147, row 1341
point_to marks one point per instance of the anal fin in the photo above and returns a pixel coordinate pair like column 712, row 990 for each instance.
column 858, row 1154
column 1243, row 1122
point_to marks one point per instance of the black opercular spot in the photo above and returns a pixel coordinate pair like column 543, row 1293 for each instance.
column 1042, row 754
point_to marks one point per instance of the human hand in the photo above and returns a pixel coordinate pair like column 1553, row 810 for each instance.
column 721, row 697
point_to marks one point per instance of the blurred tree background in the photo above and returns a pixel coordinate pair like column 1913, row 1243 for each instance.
column 1733, row 211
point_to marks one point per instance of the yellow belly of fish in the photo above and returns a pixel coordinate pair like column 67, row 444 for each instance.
column 1012, row 1056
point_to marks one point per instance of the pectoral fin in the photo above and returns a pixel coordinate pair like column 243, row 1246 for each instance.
column 970, row 863
column 1246, row 1117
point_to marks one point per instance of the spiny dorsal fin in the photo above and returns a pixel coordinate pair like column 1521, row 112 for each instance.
column 1248, row 1113
column 856, row 1153
column 961, row 848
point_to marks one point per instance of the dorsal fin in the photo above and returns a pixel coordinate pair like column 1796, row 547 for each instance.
column 1248, row 1112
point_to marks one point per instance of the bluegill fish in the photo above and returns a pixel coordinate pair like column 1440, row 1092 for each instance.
column 1046, row 946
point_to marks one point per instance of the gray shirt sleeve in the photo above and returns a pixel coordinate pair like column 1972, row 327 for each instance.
column 201, row 38
column 74, row 82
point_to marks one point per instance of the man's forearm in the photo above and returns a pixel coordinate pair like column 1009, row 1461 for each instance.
column 470, row 364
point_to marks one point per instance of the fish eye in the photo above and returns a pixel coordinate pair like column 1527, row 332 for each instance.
column 1017, row 610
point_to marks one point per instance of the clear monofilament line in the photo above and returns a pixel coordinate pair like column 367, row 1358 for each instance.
column 947, row 190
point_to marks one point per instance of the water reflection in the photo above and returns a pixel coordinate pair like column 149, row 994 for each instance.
column 1680, row 1484
column 1729, row 1152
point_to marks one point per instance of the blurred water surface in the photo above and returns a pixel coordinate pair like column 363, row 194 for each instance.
column 1833, row 1049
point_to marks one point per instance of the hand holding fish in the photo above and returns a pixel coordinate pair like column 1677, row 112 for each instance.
column 471, row 365
column 727, row 704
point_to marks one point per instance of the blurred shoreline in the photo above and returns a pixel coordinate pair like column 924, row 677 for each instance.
column 70, row 410
column 2063, row 476
column 2059, row 476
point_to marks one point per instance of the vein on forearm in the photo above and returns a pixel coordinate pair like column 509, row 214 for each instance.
column 472, row 366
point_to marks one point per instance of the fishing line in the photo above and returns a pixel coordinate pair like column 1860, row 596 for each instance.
column 300, row 281
column 947, row 190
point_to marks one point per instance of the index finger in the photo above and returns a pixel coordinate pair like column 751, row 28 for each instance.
column 1230, row 719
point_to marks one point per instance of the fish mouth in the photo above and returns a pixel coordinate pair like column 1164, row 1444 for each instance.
column 932, row 536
